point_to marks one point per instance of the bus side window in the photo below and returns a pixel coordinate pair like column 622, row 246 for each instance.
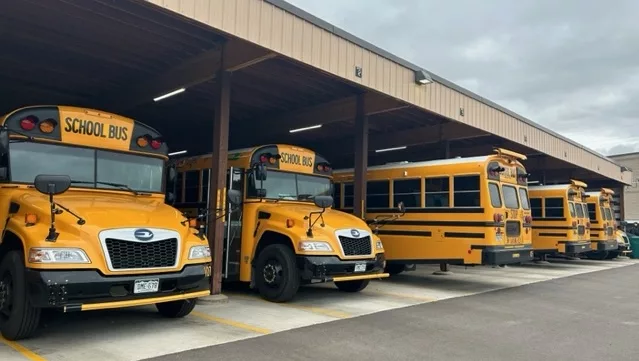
column 179, row 187
column 466, row 192
column 571, row 208
column 206, row 182
column 554, row 208
column 535, row 206
column 408, row 191
column 377, row 193
column 191, row 186
column 437, row 191
column 4, row 168
column 349, row 194
column 337, row 195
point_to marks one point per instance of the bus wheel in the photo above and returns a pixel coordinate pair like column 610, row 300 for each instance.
column 612, row 254
column 395, row 269
column 352, row 286
column 276, row 275
column 18, row 319
column 176, row 309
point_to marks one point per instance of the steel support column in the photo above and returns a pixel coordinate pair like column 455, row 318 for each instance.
column 217, row 184
column 361, row 157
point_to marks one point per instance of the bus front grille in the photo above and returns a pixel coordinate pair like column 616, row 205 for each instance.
column 356, row 246
column 581, row 230
column 513, row 229
column 142, row 255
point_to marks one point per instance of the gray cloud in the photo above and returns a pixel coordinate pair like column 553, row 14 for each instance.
column 571, row 65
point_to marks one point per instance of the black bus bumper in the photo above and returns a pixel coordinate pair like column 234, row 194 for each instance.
column 499, row 255
column 572, row 247
column 331, row 268
column 610, row 245
column 88, row 289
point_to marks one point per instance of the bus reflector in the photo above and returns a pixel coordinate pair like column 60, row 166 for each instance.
column 290, row 223
column 30, row 219
column 193, row 223
column 142, row 142
column 47, row 126
column 27, row 123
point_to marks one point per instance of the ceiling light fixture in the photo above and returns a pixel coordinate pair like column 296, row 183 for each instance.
column 305, row 128
column 177, row 153
column 170, row 94
column 389, row 149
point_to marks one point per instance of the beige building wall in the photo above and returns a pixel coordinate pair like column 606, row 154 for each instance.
column 630, row 193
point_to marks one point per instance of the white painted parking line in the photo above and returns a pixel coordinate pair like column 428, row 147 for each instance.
column 138, row 333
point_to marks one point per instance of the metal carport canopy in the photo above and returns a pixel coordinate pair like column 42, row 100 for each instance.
column 287, row 30
column 290, row 70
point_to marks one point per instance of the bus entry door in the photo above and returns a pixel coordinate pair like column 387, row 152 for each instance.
column 232, row 229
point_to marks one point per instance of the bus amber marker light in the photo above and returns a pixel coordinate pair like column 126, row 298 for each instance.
column 47, row 126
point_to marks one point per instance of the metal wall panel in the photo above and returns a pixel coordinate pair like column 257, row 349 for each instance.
column 267, row 25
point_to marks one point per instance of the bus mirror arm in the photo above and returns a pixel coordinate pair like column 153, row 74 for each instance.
column 320, row 214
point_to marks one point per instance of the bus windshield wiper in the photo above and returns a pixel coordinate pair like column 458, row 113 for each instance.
column 118, row 185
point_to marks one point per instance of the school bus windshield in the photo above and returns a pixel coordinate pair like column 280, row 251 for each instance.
column 87, row 167
column 290, row 186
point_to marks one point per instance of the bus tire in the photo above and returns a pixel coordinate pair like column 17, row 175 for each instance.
column 176, row 309
column 613, row 254
column 352, row 286
column 395, row 269
column 276, row 275
column 18, row 318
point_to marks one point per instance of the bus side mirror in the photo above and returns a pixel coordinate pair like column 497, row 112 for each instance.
column 234, row 197
column 170, row 197
column 323, row 201
column 52, row 184
column 4, row 142
column 260, row 172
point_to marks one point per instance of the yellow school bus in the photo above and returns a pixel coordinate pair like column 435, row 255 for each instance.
column 603, row 223
column 560, row 219
column 285, row 232
column 461, row 211
column 86, row 225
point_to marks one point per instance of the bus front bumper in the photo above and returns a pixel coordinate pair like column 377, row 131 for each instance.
column 499, row 255
column 605, row 245
column 575, row 247
column 332, row 269
column 84, row 290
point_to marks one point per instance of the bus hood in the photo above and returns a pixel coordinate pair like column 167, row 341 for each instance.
column 333, row 219
column 102, row 211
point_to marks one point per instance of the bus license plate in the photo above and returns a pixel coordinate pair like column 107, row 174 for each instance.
column 515, row 255
column 360, row 267
column 146, row 286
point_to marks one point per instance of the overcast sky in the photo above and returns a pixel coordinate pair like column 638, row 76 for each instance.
column 570, row 65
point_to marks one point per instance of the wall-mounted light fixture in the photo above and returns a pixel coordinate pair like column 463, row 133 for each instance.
column 422, row 77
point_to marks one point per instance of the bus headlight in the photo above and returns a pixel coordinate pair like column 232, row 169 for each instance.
column 197, row 252
column 315, row 246
column 58, row 255
column 379, row 245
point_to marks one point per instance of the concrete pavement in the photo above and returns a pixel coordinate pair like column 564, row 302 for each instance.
column 591, row 316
